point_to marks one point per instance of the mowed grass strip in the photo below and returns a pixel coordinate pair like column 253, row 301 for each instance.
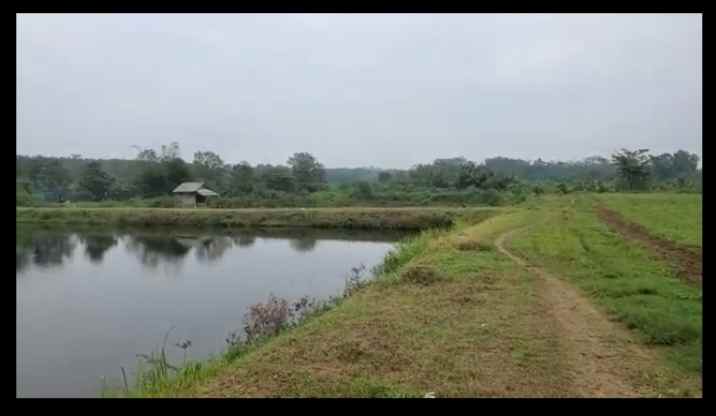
column 673, row 216
column 568, row 239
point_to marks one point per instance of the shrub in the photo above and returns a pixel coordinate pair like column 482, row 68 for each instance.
column 266, row 319
column 491, row 197
column 362, row 190
column 23, row 198
column 355, row 281
column 601, row 188
column 163, row 202
column 422, row 275
column 465, row 244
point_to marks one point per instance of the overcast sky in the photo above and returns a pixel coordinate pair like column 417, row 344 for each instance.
column 387, row 90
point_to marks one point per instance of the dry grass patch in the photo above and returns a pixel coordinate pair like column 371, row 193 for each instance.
column 465, row 244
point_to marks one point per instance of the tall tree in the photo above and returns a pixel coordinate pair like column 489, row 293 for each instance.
column 177, row 172
column 148, row 155
column 308, row 173
column 170, row 152
column 663, row 166
column 633, row 167
column 209, row 167
column 472, row 175
column 95, row 181
column 152, row 181
column 208, row 160
column 53, row 178
column 421, row 174
column 596, row 168
column 279, row 178
column 384, row 177
column 446, row 171
column 507, row 166
column 242, row 178
column 685, row 164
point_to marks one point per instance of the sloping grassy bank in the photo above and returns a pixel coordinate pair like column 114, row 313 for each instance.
column 449, row 314
column 413, row 218
column 446, row 314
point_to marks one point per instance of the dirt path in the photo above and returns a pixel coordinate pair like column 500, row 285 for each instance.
column 601, row 356
column 687, row 262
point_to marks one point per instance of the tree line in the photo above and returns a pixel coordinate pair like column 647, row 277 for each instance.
column 155, row 173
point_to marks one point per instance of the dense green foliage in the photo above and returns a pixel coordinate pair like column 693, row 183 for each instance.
column 304, row 181
column 96, row 182
column 633, row 167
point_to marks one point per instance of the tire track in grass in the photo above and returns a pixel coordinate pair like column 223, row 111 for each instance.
column 686, row 261
column 602, row 357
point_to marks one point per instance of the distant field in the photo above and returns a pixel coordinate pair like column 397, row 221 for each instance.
column 669, row 215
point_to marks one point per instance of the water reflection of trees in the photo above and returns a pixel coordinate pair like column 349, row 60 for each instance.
column 244, row 240
column 299, row 240
column 97, row 244
column 151, row 250
column 212, row 248
column 303, row 245
column 42, row 248
column 51, row 247
column 22, row 258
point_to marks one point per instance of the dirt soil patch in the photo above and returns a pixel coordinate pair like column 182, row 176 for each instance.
column 602, row 357
column 686, row 261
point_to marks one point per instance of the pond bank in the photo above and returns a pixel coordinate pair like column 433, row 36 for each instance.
column 409, row 218
column 450, row 315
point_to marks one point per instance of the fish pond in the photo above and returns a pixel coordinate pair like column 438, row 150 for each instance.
column 89, row 300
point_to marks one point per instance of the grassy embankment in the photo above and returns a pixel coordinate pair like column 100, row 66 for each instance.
column 450, row 314
column 364, row 218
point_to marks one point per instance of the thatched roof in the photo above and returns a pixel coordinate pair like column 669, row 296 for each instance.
column 188, row 187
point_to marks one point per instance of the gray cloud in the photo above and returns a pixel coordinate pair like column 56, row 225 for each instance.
column 385, row 90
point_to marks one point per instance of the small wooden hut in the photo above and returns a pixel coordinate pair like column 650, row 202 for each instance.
column 192, row 194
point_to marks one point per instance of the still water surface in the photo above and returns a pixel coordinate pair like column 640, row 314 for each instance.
column 89, row 300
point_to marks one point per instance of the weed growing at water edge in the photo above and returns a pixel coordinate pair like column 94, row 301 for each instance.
column 266, row 319
column 159, row 365
column 355, row 281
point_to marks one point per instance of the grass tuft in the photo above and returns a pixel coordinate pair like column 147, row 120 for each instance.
column 421, row 275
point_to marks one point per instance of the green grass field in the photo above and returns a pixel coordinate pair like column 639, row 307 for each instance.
column 619, row 275
column 673, row 216
column 450, row 314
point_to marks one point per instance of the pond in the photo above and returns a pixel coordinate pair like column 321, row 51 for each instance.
column 89, row 300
